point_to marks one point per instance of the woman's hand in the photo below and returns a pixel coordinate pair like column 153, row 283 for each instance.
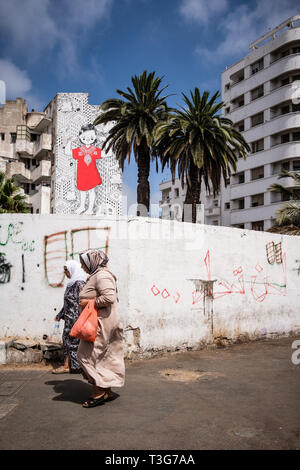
column 83, row 302
column 56, row 319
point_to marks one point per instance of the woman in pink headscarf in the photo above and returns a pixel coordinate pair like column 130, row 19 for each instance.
column 102, row 362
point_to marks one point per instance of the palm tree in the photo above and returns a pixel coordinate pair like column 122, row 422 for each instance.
column 202, row 144
column 289, row 213
column 10, row 199
column 134, row 118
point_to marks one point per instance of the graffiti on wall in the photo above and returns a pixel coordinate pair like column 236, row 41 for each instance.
column 258, row 281
column 4, row 269
column 60, row 246
column 13, row 234
column 274, row 252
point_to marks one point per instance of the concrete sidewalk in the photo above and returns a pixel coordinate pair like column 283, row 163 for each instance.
column 246, row 396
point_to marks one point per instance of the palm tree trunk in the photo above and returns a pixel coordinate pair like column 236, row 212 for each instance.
column 192, row 197
column 143, row 187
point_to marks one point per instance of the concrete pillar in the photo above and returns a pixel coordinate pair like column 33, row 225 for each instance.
column 247, row 203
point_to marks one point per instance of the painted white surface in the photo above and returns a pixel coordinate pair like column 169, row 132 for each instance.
column 155, row 262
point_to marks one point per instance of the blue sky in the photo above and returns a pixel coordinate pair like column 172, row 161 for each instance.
column 95, row 46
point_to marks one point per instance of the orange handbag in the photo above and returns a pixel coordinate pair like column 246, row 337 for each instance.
column 87, row 324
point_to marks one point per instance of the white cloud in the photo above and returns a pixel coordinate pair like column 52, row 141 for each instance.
column 202, row 11
column 18, row 83
column 41, row 26
column 245, row 24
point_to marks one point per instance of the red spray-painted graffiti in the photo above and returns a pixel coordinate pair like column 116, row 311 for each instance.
column 56, row 249
column 224, row 288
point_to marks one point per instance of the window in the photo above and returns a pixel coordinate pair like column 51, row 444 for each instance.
column 285, row 138
column 238, row 102
column 215, row 222
column 295, row 107
column 227, row 86
column 23, row 132
column 165, row 194
column 257, row 146
column 33, row 137
column 257, row 119
column 227, row 205
column 296, row 135
column 285, row 53
column 257, row 92
column 176, row 192
column 257, row 173
column 215, row 203
column 258, row 225
column 257, row 200
column 257, row 66
column 2, row 136
column 285, row 81
column 227, row 110
column 285, row 166
column 241, row 177
column 296, row 165
column 240, row 126
column 37, row 211
column 285, row 109
column 13, row 137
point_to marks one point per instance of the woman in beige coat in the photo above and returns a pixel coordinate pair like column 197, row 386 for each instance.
column 102, row 362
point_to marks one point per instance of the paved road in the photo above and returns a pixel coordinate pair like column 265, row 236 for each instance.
column 246, row 396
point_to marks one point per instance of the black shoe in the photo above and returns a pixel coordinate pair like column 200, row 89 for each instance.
column 92, row 402
column 112, row 397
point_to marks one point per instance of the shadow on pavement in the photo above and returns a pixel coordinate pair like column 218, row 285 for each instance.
column 72, row 390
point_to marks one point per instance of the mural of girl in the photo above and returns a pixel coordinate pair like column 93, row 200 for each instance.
column 87, row 173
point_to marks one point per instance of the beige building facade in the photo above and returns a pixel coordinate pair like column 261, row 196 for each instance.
column 25, row 152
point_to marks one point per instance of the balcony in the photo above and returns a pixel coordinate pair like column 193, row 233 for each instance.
column 165, row 200
column 19, row 171
column 43, row 146
column 41, row 172
column 37, row 121
column 212, row 212
column 24, row 147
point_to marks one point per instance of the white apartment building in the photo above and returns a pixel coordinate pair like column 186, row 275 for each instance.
column 258, row 92
column 172, row 201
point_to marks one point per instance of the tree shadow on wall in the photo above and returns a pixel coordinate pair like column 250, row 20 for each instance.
column 72, row 390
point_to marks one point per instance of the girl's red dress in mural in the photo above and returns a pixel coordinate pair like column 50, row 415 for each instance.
column 87, row 174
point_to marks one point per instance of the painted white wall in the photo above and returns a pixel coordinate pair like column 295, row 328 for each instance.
column 155, row 261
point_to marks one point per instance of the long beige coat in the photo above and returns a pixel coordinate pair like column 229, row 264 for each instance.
column 102, row 362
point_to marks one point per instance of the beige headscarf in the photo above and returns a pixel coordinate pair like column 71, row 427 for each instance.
column 93, row 259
